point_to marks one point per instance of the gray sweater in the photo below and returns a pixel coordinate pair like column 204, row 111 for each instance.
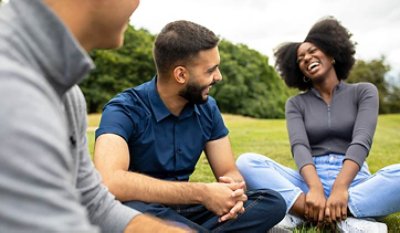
column 47, row 180
column 345, row 126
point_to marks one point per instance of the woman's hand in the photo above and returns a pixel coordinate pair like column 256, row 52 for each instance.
column 314, row 208
column 336, row 206
column 315, row 205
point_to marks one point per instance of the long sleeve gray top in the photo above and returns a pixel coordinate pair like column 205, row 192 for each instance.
column 47, row 180
column 345, row 126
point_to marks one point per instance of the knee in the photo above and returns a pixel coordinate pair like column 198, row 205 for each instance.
column 390, row 171
column 250, row 160
column 272, row 202
column 245, row 160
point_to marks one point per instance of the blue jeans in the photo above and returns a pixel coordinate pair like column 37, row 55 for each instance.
column 263, row 210
column 369, row 195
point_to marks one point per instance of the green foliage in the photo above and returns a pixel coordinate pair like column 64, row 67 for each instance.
column 119, row 69
column 250, row 86
column 374, row 72
column 393, row 100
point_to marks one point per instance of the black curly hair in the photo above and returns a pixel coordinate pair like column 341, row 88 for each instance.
column 331, row 38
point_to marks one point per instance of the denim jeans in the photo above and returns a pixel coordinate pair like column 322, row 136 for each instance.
column 369, row 195
column 263, row 210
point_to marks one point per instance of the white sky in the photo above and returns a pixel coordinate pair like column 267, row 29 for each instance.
column 264, row 24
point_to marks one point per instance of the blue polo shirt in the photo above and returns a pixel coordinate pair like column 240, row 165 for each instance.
column 160, row 144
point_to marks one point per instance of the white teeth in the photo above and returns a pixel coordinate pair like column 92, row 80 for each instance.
column 313, row 65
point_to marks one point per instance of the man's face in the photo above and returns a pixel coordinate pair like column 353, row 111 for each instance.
column 203, row 74
column 196, row 93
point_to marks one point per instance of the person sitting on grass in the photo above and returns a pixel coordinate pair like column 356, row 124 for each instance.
column 331, row 126
column 151, row 137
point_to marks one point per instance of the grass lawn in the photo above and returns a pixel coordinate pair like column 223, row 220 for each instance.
column 269, row 137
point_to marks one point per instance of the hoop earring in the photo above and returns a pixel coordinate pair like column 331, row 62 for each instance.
column 306, row 79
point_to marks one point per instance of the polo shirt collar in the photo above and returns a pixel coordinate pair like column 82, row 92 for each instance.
column 188, row 111
column 158, row 107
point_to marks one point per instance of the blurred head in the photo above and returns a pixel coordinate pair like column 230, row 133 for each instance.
column 96, row 24
column 110, row 21
column 188, row 52
column 327, row 45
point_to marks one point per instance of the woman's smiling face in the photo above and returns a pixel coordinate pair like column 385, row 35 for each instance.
column 312, row 62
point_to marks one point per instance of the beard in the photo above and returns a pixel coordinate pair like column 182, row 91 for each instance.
column 193, row 93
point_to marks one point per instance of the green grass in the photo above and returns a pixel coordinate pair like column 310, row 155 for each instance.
column 269, row 137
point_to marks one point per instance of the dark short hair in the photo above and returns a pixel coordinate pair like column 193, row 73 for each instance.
column 331, row 38
column 179, row 42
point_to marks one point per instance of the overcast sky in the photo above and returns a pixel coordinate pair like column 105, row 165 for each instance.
column 264, row 24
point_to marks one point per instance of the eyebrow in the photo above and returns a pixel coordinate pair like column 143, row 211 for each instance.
column 212, row 69
column 308, row 50
column 311, row 48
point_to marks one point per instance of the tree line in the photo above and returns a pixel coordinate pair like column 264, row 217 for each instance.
column 250, row 86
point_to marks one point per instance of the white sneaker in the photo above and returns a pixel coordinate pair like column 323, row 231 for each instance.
column 288, row 224
column 356, row 225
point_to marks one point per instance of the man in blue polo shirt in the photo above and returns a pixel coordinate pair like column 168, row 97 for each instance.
column 151, row 137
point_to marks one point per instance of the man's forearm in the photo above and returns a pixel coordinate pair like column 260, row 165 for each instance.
column 127, row 186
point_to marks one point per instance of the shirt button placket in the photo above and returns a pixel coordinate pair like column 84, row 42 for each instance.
column 176, row 143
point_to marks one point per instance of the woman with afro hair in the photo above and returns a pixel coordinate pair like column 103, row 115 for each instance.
column 331, row 125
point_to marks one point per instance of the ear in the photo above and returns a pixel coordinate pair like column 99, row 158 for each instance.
column 181, row 74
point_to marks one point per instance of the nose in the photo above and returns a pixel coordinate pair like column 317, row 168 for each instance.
column 307, row 57
column 218, row 76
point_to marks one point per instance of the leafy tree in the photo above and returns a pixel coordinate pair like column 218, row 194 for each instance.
column 119, row 69
column 374, row 72
column 250, row 86
column 393, row 100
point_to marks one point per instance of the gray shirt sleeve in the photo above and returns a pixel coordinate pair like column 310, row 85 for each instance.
column 37, row 190
column 365, row 125
column 103, row 209
column 300, row 145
